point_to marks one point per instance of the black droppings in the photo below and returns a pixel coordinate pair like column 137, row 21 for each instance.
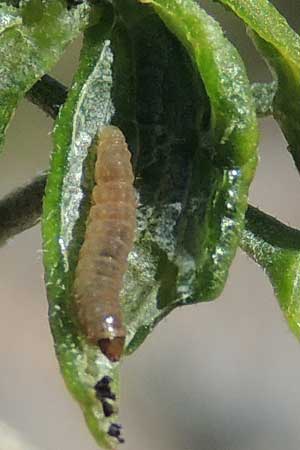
column 115, row 431
column 103, row 389
column 103, row 393
column 106, row 380
column 108, row 409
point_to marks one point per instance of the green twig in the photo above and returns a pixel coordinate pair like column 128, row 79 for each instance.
column 48, row 94
column 21, row 209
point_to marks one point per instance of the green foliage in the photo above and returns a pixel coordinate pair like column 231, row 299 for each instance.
column 32, row 39
column 162, row 71
column 233, row 133
column 264, row 94
column 192, row 206
column 280, row 46
column 276, row 247
column 87, row 106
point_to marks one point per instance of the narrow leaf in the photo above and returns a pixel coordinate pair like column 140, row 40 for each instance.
column 191, row 180
column 280, row 46
column 232, row 154
column 264, row 94
column 32, row 43
column 9, row 17
column 88, row 106
column 276, row 248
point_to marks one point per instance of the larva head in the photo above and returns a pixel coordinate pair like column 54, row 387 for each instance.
column 112, row 348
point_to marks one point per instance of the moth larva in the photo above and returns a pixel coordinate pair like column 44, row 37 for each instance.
column 108, row 240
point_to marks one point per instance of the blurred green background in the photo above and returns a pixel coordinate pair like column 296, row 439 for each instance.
column 217, row 376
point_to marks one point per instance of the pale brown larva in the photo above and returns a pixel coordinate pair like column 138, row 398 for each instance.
column 108, row 240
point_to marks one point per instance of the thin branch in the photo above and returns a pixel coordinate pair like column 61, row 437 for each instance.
column 48, row 94
column 21, row 209
column 264, row 237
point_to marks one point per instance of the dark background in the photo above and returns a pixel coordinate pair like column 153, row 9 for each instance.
column 217, row 376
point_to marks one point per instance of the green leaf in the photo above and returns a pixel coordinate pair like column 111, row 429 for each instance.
column 9, row 17
column 280, row 46
column 276, row 248
column 88, row 106
column 224, row 76
column 192, row 179
column 224, row 167
column 264, row 94
column 31, row 43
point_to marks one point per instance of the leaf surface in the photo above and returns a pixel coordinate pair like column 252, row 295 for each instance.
column 280, row 46
column 32, row 39
column 276, row 248
column 192, row 165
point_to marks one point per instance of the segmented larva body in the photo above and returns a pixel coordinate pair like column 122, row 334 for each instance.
column 108, row 240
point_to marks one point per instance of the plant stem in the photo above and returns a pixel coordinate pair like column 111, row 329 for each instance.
column 21, row 209
column 48, row 94
column 265, row 235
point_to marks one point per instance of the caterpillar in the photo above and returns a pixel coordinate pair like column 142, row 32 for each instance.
column 109, row 236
